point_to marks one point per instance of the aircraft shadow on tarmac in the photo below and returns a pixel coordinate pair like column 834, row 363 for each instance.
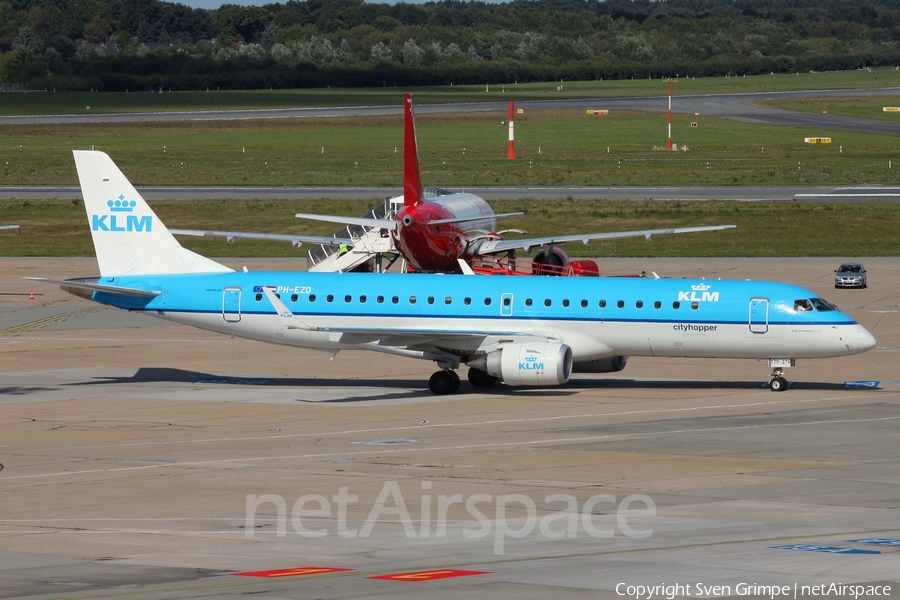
column 170, row 375
column 17, row 390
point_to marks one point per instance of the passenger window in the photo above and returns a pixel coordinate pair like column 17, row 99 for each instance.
column 657, row 305
column 395, row 300
column 379, row 299
column 448, row 300
column 362, row 299
column 639, row 304
column 294, row 297
column 347, row 299
column 602, row 304
column 584, row 303
column 695, row 305
column 528, row 302
column 676, row 305
column 547, row 302
column 329, row 298
column 467, row 301
column 430, row 300
column 565, row 304
column 312, row 298
column 620, row 304
column 487, row 301
column 412, row 299
column 258, row 297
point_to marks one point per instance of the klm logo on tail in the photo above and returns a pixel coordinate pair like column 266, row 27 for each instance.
column 114, row 221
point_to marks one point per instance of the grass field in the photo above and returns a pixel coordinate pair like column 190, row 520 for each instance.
column 864, row 107
column 146, row 101
column 459, row 149
column 60, row 228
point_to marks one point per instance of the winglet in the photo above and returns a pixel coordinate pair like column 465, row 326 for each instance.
column 412, row 180
column 464, row 267
column 285, row 313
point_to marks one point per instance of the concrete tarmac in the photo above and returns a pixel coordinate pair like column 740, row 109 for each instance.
column 152, row 460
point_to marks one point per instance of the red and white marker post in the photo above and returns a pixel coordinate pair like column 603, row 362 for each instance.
column 511, row 152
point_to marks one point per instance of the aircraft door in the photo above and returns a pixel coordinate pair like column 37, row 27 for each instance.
column 759, row 315
column 231, row 304
column 506, row 305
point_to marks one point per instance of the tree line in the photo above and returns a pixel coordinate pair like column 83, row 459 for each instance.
column 145, row 44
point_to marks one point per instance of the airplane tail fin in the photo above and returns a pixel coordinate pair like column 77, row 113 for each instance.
column 129, row 238
column 412, row 180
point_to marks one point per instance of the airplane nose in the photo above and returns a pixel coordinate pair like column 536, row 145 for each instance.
column 407, row 220
column 859, row 339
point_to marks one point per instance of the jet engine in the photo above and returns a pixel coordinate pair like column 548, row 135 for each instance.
column 531, row 363
column 612, row 364
column 552, row 261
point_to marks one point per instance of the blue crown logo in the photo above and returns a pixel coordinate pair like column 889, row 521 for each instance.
column 121, row 205
column 531, row 358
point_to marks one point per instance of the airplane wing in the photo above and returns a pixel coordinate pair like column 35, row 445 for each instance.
column 496, row 246
column 296, row 240
column 376, row 223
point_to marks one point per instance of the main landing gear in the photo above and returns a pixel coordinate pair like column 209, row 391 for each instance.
column 444, row 382
column 447, row 381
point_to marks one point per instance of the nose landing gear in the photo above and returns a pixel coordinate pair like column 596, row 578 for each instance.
column 778, row 383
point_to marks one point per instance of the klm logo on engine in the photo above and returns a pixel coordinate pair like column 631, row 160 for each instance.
column 699, row 293
column 531, row 364
column 120, row 220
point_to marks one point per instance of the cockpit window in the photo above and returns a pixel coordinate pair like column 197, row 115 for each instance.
column 802, row 305
column 823, row 305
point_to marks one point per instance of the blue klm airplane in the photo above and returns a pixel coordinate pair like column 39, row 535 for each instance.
column 526, row 331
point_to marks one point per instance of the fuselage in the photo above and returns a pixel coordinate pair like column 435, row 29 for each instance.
column 437, row 247
column 597, row 317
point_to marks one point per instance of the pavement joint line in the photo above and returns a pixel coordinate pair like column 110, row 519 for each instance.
column 52, row 320
column 884, row 317
column 266, row 580
column 445, row 448
column 474, row 423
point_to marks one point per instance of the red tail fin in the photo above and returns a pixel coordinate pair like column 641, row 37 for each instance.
column 412, row 181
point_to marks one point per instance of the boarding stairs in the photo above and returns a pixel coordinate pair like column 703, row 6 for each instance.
column 366, row 243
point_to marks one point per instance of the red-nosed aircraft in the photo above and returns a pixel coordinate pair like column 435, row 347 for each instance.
column 434, row 233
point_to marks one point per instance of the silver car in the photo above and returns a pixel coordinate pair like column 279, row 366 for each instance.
column 850, row 275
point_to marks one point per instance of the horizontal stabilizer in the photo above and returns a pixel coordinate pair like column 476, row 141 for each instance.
column 89, row 285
